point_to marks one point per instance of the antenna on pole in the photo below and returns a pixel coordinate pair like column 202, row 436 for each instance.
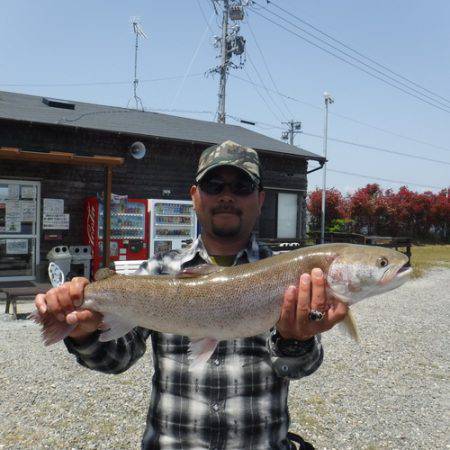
column 138, row 31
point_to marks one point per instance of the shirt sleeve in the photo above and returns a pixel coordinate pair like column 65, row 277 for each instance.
column 120, row 354
column 304, row 363
column 114, row 356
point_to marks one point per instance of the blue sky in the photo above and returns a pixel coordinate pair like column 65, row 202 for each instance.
column 84, row 51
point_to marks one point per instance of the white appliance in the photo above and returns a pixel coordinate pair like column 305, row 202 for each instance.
column 173, row 224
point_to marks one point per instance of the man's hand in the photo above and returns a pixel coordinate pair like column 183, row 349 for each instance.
column 298, row 302
column 62, row 303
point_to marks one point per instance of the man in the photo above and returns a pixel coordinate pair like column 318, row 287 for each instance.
column 238, row 400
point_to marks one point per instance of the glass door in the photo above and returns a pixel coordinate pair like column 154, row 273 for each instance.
column 287, row 215
column 19, row 229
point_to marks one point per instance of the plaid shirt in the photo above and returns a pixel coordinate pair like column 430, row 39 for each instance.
column 238, row 400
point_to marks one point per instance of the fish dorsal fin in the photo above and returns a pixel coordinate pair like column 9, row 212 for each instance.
column 199, row 271
column 103, row 273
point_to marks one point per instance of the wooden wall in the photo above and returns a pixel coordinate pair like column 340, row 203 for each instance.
column 167, row 165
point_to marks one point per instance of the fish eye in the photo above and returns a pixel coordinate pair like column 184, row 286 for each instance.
column 382, row 262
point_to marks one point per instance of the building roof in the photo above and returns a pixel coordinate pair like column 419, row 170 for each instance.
column 45, row 110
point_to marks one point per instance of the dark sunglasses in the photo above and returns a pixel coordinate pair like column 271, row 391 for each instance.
column 241, row 187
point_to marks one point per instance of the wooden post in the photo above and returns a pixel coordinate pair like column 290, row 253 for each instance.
column 107, row 216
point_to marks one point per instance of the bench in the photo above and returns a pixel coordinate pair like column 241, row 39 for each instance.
column 15, row 293
column 127, row 267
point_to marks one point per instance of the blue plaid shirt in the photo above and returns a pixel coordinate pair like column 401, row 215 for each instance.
column 238, row 400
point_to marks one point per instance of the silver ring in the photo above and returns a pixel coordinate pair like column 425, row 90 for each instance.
column 316, row 316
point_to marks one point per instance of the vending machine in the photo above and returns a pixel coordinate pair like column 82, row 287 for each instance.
column 173, row 224
column 128, row 230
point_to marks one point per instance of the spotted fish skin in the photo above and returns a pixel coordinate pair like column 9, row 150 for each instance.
column 239, row 301
column 212, row 303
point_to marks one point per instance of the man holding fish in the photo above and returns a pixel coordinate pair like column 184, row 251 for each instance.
column 226, row 340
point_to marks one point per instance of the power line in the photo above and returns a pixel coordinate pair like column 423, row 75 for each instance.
column 350, row 63
column 267, row 67
column 269, row 126
column 358, row 60
column 385, row 179
column 417, row 141
column 264, row 86
column 359, row 53
column 208, row 22
column 194, row 56
column 97, row 83
column 354, row 58
column 311, row 105
column 371, row 147
column 261, row 96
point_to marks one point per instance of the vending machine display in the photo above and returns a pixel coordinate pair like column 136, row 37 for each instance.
column 173, row 224
column 128, row 230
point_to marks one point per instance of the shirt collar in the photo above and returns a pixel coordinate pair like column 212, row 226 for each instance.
column 248, row 254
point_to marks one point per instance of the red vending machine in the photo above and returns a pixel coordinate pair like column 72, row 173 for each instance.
column 129, row 230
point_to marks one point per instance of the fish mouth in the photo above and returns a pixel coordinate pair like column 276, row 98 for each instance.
column 396, row 275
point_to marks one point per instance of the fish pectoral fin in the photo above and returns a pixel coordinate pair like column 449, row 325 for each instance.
column 198, row 271
column 115, row 327
column 349, row 326
column 103, row 273
column 200, row 350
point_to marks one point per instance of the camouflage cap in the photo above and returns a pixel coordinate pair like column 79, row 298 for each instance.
column 229, row 153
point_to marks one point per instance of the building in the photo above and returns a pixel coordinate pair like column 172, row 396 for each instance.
column 56, row 150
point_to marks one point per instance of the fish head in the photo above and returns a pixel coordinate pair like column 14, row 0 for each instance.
column 360, row 271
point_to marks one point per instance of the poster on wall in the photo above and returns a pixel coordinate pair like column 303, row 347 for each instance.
column 28, row 192
column 17, row 246
column 13, row 191
column 53, row 206
column 56, row 221
column 13, row 216
column 28, row 210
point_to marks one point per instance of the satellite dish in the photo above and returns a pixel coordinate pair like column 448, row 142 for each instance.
column 137, row 150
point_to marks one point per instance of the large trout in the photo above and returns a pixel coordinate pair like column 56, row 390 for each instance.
column 212, row 303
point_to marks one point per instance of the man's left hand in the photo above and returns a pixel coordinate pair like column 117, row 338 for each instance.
column 310, row 294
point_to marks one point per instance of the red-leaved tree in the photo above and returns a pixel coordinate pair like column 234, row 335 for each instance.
column 334, row 207
column 389, row 213
column 363, row 205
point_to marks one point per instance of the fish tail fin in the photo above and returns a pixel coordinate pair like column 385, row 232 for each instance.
column 349, row 326
column 53, row 330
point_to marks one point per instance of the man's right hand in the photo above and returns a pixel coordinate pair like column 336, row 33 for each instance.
column 63, row 301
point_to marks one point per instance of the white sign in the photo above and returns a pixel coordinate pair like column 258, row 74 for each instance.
column 13, row 191
column 28, row 192
column 28, row 210
column 53, row 206
column 56, row 221
column 17, row 246
column 13, row 216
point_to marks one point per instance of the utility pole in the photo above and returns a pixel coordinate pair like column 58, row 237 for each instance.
column 224, row 64
column 230, row 43
column 328, row 100
column 294, row 128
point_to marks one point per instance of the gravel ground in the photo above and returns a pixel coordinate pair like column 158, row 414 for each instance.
column 389, row 392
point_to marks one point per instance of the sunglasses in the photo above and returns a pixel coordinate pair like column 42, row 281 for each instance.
column 241, row 187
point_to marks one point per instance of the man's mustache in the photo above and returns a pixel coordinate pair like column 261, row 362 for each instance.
column 226, row 209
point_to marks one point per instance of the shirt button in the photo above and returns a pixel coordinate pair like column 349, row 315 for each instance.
column 215, row 407
column 216, row 362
